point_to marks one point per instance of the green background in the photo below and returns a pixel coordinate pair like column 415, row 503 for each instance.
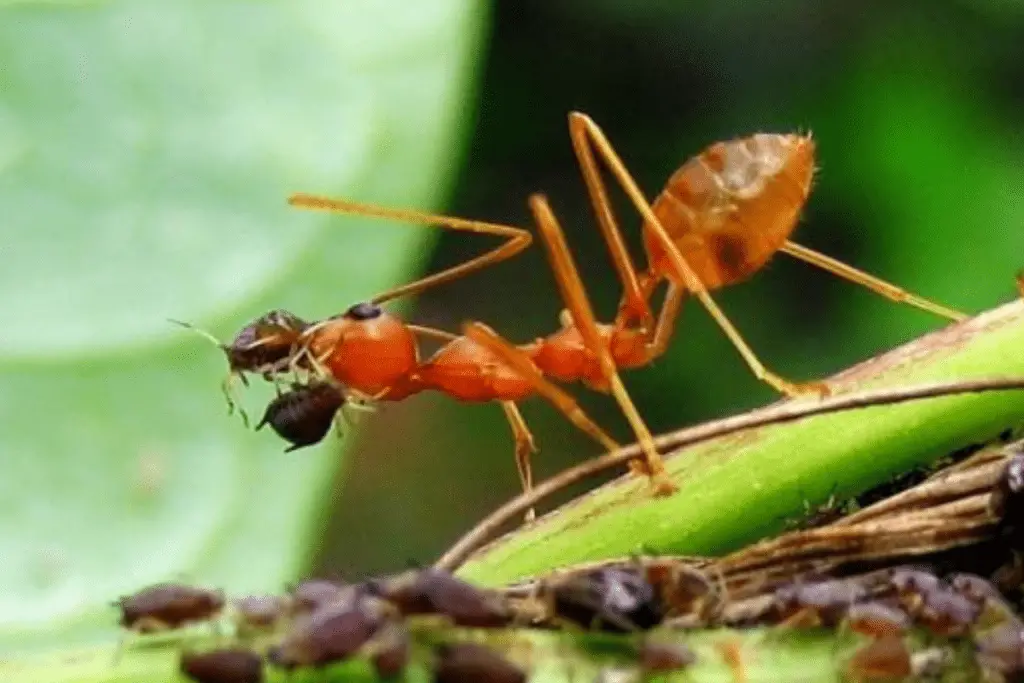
column 146, row 149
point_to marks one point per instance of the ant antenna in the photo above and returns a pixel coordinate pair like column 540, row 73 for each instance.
column 201, row 332
column 227, row 385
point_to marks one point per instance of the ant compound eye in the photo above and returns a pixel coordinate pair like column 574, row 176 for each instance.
column 363, row 311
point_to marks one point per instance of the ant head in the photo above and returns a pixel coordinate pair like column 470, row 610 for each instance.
column 364, row 311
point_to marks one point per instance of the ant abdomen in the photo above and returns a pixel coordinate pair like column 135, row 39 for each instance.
column 729, row 209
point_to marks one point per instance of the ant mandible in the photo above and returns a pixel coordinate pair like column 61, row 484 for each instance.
column 720, row 218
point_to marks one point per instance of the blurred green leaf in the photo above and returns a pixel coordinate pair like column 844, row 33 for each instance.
column 146, row 149
column 938, row 171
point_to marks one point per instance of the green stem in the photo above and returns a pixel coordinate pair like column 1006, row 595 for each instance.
column 739, row 488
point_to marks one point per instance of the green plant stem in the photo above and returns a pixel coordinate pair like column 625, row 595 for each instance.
column 549, row 657
column 738, row 488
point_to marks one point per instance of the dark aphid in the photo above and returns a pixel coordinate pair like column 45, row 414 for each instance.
column 332, row 633
column 973, row 587
column 390, row 651
column 223, row 666
column 433, row 591
column 166, row 606
column 994, row 607
column 472, row 663
column 267, row 344
column 307, row 596
column 911, row 585
column 877, row 620
column 255, row 613
column 947, row 613
column 882, row 659
column 823, row 603
column 303, row 415
column 913, row 580
column 1001, row 648
column 613, row 599
column 655, row 658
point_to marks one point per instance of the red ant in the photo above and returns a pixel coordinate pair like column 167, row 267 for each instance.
column 720, row 218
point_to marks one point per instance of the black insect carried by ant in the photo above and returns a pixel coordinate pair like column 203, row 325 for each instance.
column 303, row 415
column 167, row 606
column 233, row 665
column 267, row 346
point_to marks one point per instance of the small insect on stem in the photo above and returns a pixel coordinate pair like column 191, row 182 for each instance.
column 223, row 666
column 166, row 606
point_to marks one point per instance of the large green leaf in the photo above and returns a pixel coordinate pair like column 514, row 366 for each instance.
column 146, row 149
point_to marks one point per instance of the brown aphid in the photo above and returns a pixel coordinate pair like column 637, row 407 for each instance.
column 303, row 415
column 822, row 603
column 994, row 607
column 881, row 659
column 267, row 344
column 877, row 620
column 223, row 666
column 434, row 591
column 654, row 657
column 975, row 588
column 1002, row 648
column 472, row 663
column 947, row 613
column 390, row 651
column 911, row 586
column 166, row 606
column 311, row 594
column 332, row 633
column 610, row 598
column 256, row 613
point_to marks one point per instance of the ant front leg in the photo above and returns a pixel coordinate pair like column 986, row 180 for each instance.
column 636, row 294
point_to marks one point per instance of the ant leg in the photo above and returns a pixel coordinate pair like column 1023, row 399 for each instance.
column 523, row 364
column 575, row 297
column 685, row 272
column 525, row 448
column 524, row 444
column 1020, row 283
column 635, row 299
column 875, row 284
column 516, row 239
column 227, row 387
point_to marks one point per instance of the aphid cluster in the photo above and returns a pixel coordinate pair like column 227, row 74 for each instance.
column 383, row 621
column 319, row 623
column 719, row 219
